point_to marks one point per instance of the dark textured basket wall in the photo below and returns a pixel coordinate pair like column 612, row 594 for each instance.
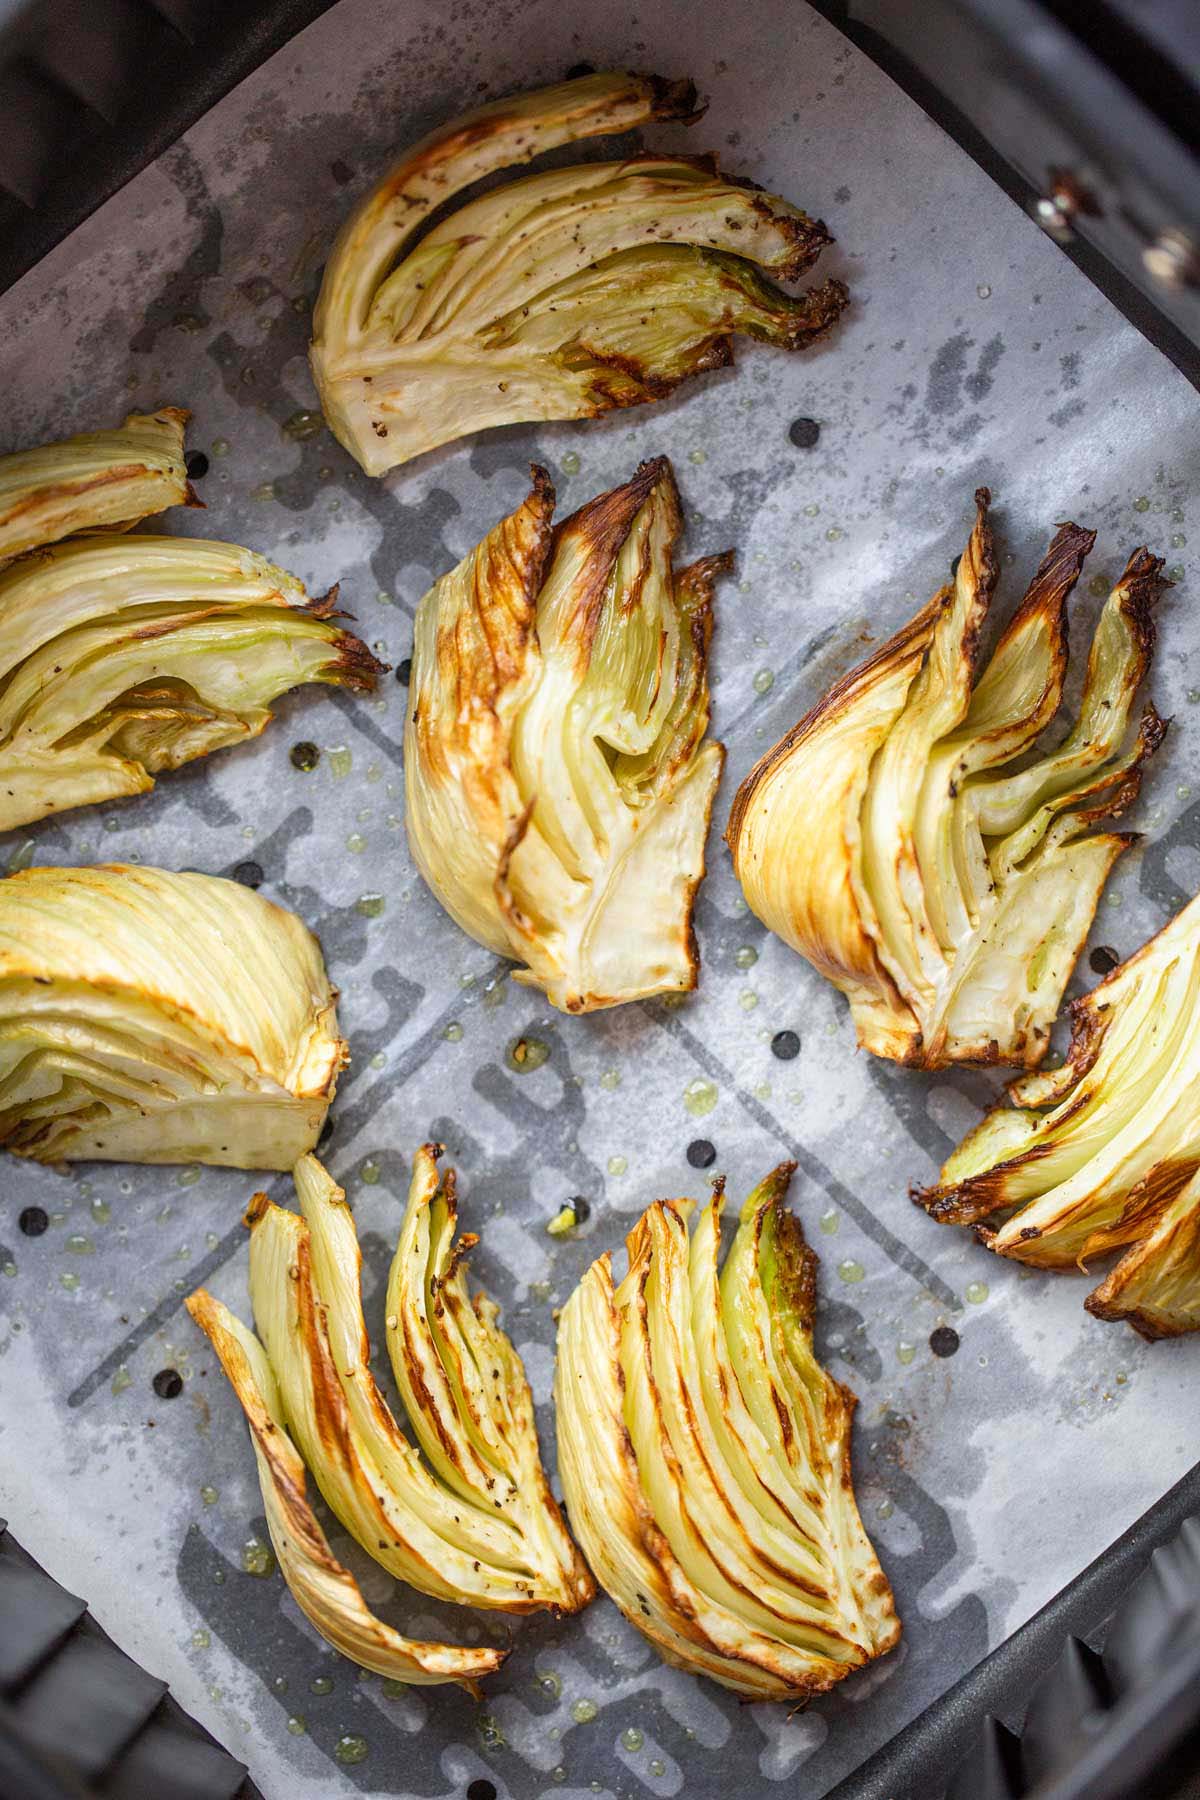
column 79, row 1717
column 91, row 91
column 1097, row 1697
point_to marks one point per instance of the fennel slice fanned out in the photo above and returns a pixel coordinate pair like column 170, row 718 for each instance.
column 121, row 657
column 559, row 295
column 506, row 1550
column 913, row 840
column 558, row 776
column 1103, row 1153
column 705, row 1455
column 325, row 1592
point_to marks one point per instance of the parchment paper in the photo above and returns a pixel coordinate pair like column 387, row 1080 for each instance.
column 975, row 352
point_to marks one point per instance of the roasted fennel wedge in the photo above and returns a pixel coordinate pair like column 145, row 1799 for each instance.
column 1103, row 1153
column 558, row 776
column 501, row 1544
column 560, row 295
column 121, row 657
column 705, row 1454
column 326, row 1593
column 152, row 1017
column 95, row 481
column 912, row 839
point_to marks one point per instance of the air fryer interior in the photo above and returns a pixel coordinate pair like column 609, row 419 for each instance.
column 1004, row 1437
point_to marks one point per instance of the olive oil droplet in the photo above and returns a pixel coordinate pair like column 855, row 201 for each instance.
column 257, row 1557
column 303, row 424
column 700, row 1097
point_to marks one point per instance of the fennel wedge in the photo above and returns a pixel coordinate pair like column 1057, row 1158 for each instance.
column 705, row 1454
column 1103, row 1153
column 500, row 1544
column 558, row 776
column 325, row 1592
column 560, row 295
column 121, row 657
column 152, row 1017
column 97, row 480
column 913, row 842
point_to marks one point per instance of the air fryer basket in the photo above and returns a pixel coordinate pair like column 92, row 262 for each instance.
column 1004, row 1438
